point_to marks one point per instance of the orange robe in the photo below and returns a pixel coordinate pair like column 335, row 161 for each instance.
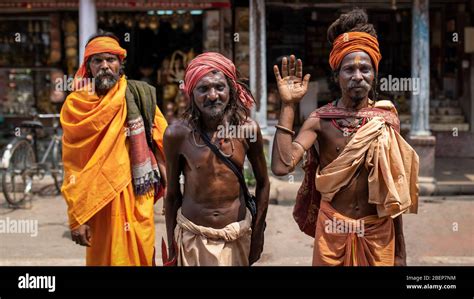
column 98, row 182
column 393, row 188
column 375, row 246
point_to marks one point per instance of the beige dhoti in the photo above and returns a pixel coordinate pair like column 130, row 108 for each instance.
column 206, row 246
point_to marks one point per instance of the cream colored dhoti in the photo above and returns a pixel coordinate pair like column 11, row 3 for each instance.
column 206, row 246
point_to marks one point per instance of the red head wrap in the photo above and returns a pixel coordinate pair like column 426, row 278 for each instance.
column 210, row 61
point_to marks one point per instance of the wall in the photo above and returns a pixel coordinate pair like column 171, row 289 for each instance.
column 461, row 146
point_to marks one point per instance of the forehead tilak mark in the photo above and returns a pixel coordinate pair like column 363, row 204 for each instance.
column 357, row 59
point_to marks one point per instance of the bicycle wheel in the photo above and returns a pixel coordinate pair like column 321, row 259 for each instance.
column 17, row 179
column 57, row 170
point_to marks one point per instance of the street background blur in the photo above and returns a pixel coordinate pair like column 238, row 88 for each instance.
column 427, row 70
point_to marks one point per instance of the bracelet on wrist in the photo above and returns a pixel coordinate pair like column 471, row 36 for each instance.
column 286, row 130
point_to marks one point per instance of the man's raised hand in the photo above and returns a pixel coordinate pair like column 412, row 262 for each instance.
column 292, row 86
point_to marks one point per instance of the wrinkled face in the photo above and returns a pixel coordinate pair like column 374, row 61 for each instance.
column 356, row 75
column 105, row 69
column 211, row 95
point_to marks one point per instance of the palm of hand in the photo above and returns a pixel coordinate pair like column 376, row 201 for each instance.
column 291, row 84
column 291, row 88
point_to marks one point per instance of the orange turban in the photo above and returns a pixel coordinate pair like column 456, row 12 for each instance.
column 102, row 44
column 204, row 63
column 350, row 42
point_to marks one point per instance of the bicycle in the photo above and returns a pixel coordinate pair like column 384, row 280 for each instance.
column 19, row 160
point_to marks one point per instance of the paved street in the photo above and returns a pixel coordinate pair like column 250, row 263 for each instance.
column 441, row 234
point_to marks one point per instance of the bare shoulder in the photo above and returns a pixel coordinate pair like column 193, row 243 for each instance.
column 312, row 123
column 177, row 131
column 252, row 129
column 249, row 130
column 250, row 124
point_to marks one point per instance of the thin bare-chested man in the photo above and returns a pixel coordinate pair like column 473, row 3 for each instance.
column 209, row 221
column 365, row 173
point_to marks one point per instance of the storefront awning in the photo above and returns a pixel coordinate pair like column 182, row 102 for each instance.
column 123, row 5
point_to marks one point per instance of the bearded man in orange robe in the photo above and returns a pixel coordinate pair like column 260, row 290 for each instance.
column 113, row 159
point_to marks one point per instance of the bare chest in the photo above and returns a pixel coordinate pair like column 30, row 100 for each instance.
column 201, row 160
column 332, row 139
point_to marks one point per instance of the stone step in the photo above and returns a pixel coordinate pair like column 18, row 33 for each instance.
column 283, row 192
column 440, row 127
column 443, row 103
column 447, row 118
column 437, row 118
column 461, row 127
column 447, row 111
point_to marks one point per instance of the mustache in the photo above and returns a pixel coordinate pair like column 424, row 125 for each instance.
column 213, row 103
column 105, row 74
column 363, row 85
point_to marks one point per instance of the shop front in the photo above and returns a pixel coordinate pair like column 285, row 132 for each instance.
column 40, row 49
column 301, row 29
column 35, row 52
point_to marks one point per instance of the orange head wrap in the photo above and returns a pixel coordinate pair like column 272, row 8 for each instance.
column 102, row 44
column 350, row 42
column 204, row 63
